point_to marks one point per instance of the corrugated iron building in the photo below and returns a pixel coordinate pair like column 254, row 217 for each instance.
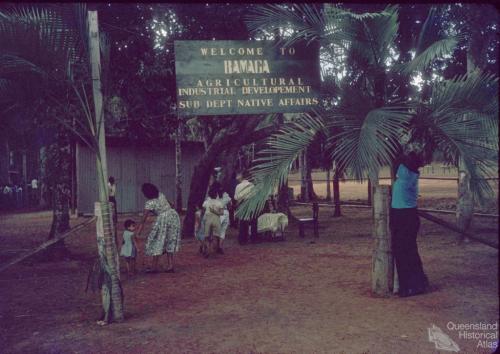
column 131, row 166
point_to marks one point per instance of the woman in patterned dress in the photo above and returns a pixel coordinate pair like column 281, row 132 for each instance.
column 165, row 235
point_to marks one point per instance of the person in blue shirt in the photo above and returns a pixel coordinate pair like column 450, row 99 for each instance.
column 404, row 226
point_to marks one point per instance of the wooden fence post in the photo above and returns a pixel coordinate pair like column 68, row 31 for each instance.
column 382, row 261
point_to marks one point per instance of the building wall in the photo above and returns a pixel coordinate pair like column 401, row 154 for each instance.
column 131, row 167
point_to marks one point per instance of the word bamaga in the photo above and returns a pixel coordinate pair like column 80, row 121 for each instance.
column 242, row 66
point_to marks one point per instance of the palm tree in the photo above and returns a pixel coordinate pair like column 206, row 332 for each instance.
column 45, row 50
column 369, row 125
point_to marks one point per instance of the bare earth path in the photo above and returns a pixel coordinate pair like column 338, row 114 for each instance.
column 280, row 297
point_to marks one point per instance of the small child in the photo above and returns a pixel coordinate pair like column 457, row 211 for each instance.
column 213, row 211
column 199, row 227
column 129, row 247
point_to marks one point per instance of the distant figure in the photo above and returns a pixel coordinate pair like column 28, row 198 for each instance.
column 213, row 211
column 129, row 247
column 404, row 227
column 199, row 227
column 165, row 236
column 241, row 193
column 112, row 197
column 225, row 200
column 34, row 191
column 232, row 188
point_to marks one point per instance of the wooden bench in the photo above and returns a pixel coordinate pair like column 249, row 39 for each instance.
column 310, row 221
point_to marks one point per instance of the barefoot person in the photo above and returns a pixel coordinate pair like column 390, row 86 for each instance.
column 404, row 226
column 165, row 235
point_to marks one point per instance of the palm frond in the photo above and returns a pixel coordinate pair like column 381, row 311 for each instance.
column 476, row 91
column 366, row 139
column 333, row 12
column 41, row 35
column 307, row 21
column 273, row 163
column 438, row 49
column 431, row 44
column 371, row 38
column 463, row 122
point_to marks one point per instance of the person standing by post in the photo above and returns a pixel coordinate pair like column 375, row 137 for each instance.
column 241, row 193
column 404, row 227
column 112, row 197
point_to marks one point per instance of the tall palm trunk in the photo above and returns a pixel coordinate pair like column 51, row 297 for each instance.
column 112, row 294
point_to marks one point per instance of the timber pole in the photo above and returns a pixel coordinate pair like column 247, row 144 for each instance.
column 382, row 261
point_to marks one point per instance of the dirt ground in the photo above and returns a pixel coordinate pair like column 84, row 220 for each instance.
column 299, row 296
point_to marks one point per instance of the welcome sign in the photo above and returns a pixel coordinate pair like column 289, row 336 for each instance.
column 245, row 77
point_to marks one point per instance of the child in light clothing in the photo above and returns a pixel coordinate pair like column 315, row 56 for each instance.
column 129, row 247
column 199, row 227
column 213, row 211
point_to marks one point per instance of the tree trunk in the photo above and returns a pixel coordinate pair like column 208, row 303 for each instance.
column 328, row 188
column 57, row 178
column 73, row 177
column 60, row 212
column 284, row 200
column 228, row 161
column 42, row 187
column 111, row 291
column 382, row 261
column 237, row 135
column 336, row 193
column 311, row 195
column 103, row 208
column 304, row 195
column 178, row 167
column 465, row 200
column 60, row 221
column 4, row 161
column 369, row 192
